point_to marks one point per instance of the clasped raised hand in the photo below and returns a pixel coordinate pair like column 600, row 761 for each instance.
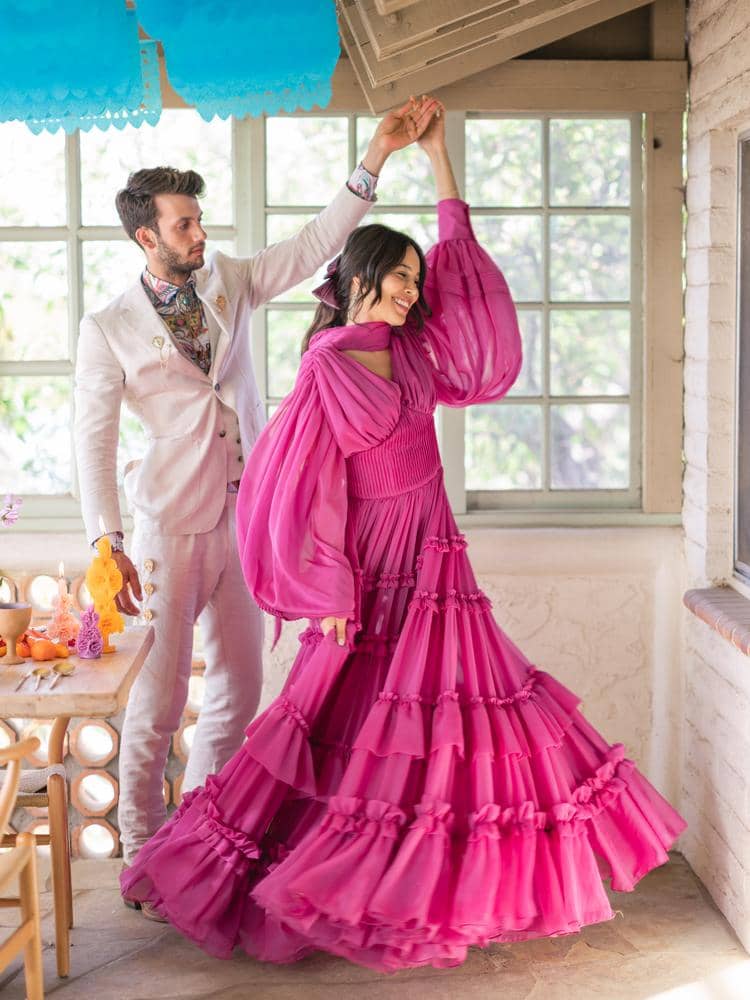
column 398, row 129
column 405, row 125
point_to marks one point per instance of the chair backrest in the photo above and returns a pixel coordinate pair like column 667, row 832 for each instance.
column 12, row 756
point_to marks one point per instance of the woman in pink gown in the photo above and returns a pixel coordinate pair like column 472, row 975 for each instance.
column 418, row 787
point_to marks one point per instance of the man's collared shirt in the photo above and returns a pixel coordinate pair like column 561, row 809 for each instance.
column 182, row 312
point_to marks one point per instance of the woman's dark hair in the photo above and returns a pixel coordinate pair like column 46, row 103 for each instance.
column 370, row 253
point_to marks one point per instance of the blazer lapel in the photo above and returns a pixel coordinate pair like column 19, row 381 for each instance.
column 147, row 325
column 213, row 295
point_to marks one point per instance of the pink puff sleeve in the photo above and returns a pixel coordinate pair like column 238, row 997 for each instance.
column 291, row 513
column 472, row 335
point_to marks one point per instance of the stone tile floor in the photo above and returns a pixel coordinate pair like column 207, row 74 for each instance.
column 669, row 942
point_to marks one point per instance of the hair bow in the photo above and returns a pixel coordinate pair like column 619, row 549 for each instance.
column 326, row 292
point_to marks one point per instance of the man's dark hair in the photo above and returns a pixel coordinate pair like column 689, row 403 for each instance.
column 135, row 203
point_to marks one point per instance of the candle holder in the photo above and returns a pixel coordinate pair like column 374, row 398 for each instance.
column 14, row 620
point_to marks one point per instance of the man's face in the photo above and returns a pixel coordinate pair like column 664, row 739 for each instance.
column 179, row 241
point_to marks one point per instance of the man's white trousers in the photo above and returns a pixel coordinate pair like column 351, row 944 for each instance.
column 195, row 578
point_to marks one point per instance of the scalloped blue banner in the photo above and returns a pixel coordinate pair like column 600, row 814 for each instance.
column 75, row 66
column 236, row 57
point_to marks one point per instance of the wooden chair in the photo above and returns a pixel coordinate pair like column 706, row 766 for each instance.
column 46, row 787
column 20, row 862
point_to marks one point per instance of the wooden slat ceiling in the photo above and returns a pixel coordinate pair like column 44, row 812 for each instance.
column 403, row 47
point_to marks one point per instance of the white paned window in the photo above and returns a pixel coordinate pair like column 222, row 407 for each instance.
column 555, row 199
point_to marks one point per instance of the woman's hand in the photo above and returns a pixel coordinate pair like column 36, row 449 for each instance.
column 339, row 624
column 398, row 129
column 432, row 139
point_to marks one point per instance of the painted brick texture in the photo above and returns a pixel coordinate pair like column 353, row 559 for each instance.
column 715, row 795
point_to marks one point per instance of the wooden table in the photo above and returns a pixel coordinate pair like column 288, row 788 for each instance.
column 98, row 688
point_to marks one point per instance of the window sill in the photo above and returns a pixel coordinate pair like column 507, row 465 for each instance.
column 565, row 519
column 72, row 524
column 724, row 610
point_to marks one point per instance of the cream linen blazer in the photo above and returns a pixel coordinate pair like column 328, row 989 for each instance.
column 180, row 483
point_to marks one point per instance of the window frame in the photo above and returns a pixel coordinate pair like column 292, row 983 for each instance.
column 62, row 512
column 741, row 444
column 582, row 500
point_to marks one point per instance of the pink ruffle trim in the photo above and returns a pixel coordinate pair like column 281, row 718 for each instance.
column 475, row 602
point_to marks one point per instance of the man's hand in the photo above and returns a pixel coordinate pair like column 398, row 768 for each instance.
column 398, row 129
column 327, row 624
column 131, row 585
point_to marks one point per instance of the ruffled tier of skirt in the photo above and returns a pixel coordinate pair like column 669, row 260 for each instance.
column 392, row 886
column 273, row 856
column 421, row 790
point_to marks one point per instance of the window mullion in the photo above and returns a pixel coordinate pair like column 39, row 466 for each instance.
column 75, row 266
column 637, row 443
column 250, row 165
column 242, row 186
column 546, row 457
column 452, row 421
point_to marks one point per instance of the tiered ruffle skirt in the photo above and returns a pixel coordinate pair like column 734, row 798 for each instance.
column 421, row 790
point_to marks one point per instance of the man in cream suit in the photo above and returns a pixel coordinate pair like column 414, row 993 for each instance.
column 175, row 347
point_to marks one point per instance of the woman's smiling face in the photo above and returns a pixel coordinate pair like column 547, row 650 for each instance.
column 398, row 293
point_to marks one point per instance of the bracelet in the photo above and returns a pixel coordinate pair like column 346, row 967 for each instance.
column 363, row 183
column 115, row 540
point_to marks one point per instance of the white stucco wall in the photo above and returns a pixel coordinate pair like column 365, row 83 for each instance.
column 716, row 737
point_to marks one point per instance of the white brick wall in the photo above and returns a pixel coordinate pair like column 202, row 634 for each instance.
column 715, row 796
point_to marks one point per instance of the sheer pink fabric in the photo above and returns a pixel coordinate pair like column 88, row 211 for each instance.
column 423, row 788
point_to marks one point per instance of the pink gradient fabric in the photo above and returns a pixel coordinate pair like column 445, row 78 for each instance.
column 423, row 788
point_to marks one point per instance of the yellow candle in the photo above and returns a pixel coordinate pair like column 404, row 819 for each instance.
column 104, row 582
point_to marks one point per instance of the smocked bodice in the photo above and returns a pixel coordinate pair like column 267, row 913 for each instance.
column 404, row 461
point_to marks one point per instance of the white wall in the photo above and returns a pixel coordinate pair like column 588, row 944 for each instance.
column 716, row 737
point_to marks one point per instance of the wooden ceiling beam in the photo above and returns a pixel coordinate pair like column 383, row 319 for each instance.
column 428, row 68
column 444, row 23
column 548, row 85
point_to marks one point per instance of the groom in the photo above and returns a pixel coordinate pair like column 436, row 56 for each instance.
column 175, row 347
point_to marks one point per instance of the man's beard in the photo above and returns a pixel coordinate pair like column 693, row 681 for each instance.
column 176, row 263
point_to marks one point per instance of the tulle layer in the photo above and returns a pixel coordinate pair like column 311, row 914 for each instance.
column 389, row 886
column 419, row 790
